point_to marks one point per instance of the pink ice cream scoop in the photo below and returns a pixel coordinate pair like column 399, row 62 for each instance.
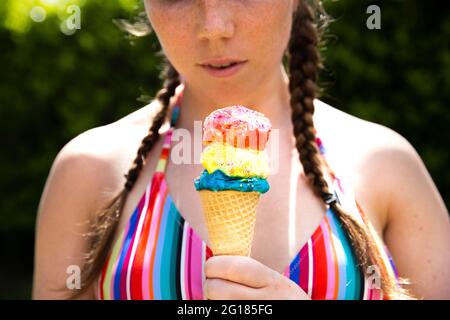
column 237, row 126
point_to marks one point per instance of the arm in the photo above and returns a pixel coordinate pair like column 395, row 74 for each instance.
column 416, row 225
column 70, row 196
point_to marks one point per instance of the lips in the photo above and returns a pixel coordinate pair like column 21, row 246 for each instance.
column 222, row 66
column 217, row 62
column 224, row 72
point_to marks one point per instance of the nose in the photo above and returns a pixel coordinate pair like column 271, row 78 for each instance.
column 215, row 20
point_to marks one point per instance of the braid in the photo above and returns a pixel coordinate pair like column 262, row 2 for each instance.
column 304, row 63
column 170, row 84
column 106, row 221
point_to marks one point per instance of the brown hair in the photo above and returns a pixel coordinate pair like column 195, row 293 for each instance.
column 304, row 63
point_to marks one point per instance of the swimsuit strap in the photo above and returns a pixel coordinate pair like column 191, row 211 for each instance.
column 332, row 196
column 339, row 186
column 174, row 115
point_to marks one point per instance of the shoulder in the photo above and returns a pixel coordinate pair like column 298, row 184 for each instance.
column 364, row 142
column 98, row 146
column 97, row 158
column 80, row 169
column 377, row 161
column 365, row 134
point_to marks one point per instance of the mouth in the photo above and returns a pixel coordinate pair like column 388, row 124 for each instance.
column 223, row 69
column 222, row 66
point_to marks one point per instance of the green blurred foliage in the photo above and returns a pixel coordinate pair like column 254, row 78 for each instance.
column 54, row 86
column 398, row 76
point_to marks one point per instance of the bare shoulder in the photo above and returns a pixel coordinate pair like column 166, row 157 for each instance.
column 87, row 161
column 97, row 158
column 373, row 158
column 359, row 135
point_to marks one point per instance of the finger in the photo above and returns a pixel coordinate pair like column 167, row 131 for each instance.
column 220, row 289
column 244, row 270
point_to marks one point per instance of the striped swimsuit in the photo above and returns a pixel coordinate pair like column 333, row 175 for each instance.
column 159, row 256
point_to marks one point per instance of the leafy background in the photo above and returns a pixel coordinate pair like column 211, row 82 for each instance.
column 55, row 84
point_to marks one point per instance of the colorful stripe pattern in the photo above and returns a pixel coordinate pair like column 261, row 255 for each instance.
column 159, row 256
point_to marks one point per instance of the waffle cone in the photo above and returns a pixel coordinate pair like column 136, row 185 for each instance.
column 230, row 219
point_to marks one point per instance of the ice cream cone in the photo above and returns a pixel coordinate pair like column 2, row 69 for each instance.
column 230, row 219
column 234, row 177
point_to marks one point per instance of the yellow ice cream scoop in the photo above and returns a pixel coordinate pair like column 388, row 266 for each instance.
column 234, row 161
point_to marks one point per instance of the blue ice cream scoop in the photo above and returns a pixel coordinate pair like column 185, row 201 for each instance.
column 218, row 181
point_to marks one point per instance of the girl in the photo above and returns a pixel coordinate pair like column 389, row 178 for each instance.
column 351, row 212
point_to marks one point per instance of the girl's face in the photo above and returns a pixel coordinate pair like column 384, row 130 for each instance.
column 192, row 31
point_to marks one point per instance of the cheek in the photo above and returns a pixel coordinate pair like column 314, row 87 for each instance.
column 174, row 32
column 269, row 29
